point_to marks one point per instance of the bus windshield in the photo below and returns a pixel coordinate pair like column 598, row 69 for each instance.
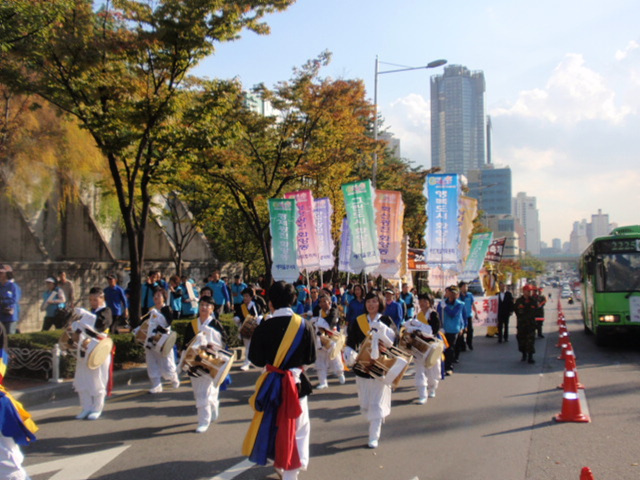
column 618, row 272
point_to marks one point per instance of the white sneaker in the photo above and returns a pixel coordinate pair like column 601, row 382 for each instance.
column 94, row 415
column 422, row 400
column 373, row 444
column 432, row 394
column 341, row 379
column 175, row 384
column 322, row 386
column 202, row 428
column 157, row 389
column 82, row 415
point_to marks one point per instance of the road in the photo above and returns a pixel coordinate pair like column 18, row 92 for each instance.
column 491, row 419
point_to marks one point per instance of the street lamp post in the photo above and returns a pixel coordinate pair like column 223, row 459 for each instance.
column 434, row 64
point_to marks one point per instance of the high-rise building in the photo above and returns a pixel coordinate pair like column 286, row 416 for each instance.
column 491, row 186
column 600, row 226
column 393, row 143
column 458, row 120
column 525, row 210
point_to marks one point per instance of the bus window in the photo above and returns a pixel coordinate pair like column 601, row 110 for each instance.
column 618, row 272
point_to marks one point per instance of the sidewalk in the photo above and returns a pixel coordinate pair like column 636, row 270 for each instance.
column 32, row 392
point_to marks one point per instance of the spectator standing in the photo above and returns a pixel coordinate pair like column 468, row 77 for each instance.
column 237, row 287
column 469, row 302
column 393, row 309
column 52, row 300
column 9, row 300
column 409, row 300
column 356, row 305
column 505, row 309
column 220, row 293
column 148, row 289
column 116, row 300
column 190, row 296
column 67, row 287
column 175, row 296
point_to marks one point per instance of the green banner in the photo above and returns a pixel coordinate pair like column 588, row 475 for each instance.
column 359, row 203
column 479, row 246
column 282, row 214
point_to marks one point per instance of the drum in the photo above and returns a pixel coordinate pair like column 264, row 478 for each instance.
column 333, row 342
column 216, row 362
column 248, row 326
column 436, row 347
column 165, row 343
column 141, row 334
column 69, row 341
column 97, row 351
column 388, row 368
column 415, row 342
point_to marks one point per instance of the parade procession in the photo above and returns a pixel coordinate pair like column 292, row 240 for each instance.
column 301, row 330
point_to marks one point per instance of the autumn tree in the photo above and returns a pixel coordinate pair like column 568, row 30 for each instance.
column 119, row 70
column 318, row 133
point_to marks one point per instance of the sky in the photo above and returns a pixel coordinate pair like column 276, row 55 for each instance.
column 563, row 85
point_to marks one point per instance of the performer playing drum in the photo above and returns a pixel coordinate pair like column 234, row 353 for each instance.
column 93, row 364
column 325, row 320
column 160, row 366
column 249, row 318
column 208, row 332
column 374, row 395
column 426, row 377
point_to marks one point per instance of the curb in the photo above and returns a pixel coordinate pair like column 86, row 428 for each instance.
column 51, row 392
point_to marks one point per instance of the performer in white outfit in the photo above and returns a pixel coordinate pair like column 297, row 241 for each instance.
column 91, row 384
column 247, row 308
column 159, row 366
column 374, row 395
column 208, row 332
column 426, row 378
column 325, row 320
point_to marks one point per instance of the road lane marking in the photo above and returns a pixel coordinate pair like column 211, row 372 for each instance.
column 79, row 467
column 234, row 471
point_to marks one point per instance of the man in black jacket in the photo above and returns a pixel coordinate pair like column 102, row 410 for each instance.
column 505, row 309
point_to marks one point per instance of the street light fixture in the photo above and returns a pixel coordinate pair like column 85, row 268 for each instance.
column 434, row 64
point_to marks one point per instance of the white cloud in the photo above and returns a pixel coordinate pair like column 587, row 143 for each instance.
column 409, row 119
column 573, row 93
column 622, row 54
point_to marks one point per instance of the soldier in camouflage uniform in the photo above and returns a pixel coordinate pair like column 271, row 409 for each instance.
column 526, row 308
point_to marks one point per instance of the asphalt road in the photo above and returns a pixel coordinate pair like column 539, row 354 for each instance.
column 491, row 419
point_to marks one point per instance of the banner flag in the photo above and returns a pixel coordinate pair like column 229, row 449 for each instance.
column 389, row 219
column 308, row 257
column 345, row 248
column 359, row 203
column 443, row 231
column 282, row 214
column 440, row 279
column 487, row 308
column 468, row 211
column 479, row 246
column 322, row 211
column 496, row 249
column 416, row 260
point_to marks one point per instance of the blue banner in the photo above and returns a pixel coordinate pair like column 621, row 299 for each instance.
column 443, row 230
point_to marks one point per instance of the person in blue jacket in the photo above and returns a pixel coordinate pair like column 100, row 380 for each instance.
column 452, row 312
column 116, row 300
column 189, row 304
column 9, row 300
column 393, row 309
column 220, row 293
column 356, row 305
column 409, row 300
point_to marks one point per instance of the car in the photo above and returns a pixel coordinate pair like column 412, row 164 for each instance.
column 565, row 294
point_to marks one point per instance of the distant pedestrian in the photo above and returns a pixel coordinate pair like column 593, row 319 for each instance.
column 469, row 302
column 67, row 287
column 9, row 300
column 116, row 300
column 526, row 308
column 53, row 299
column 505, row 309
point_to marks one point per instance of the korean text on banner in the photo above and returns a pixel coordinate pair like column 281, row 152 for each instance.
column 322, row 210
column 345, row 248
column 282, row 215
column 389, row 219
column 479, row 246
column 308, row 257
column 496, row 248
column 359, row 204
column 417, row 260
column 443, row 230
column 487, row 308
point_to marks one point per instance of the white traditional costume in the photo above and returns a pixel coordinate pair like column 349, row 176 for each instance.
column 159, row 366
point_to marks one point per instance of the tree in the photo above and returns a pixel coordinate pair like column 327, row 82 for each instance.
column 119, row 70
column 318, row 135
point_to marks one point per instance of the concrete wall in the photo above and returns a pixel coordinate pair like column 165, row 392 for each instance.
column 18, row 241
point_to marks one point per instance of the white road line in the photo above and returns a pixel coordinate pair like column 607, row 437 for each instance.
column 79, row 467
column 234, row 471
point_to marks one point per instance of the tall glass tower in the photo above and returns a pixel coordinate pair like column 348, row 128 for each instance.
column 458, row 120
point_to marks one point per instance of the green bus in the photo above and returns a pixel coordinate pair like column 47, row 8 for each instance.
column 610, row 284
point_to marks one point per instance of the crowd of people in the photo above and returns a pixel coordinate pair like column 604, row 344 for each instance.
column 286, row 329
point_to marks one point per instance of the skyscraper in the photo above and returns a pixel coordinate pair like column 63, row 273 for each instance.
column 491, row 186
column 525, row 210
column 458, row 120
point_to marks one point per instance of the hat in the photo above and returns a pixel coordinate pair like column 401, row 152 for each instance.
column 50, row 280
column 111, row 276
column 5, row 268
column 529, row 287
column 454, row 288
column 388, row 290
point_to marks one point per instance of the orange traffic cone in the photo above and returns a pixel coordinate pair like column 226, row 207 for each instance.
column 563, row 337
column 570, row 365
column 586, row 474
column 566, row 345
column 571, row 410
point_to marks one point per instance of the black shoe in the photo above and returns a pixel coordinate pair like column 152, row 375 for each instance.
column 524, row 357
column 499, row 340
column 540, row 336
column 531, row 360
column 506, row 339
column 470, row 347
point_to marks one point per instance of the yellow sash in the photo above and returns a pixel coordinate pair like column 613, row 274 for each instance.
column 363, row 323
column 195, row 324
column 24, row 415
column 422, row 318
column 283, row 349
column 245, row 310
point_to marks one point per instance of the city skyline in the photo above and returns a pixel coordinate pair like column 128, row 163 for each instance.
column 563, row 89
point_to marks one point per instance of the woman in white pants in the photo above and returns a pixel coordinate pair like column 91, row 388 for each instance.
column 325, row 321
column 159, row 366
column 373, row 394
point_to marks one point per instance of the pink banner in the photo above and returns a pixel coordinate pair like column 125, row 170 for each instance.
column 389, row 219
column 308, row 257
